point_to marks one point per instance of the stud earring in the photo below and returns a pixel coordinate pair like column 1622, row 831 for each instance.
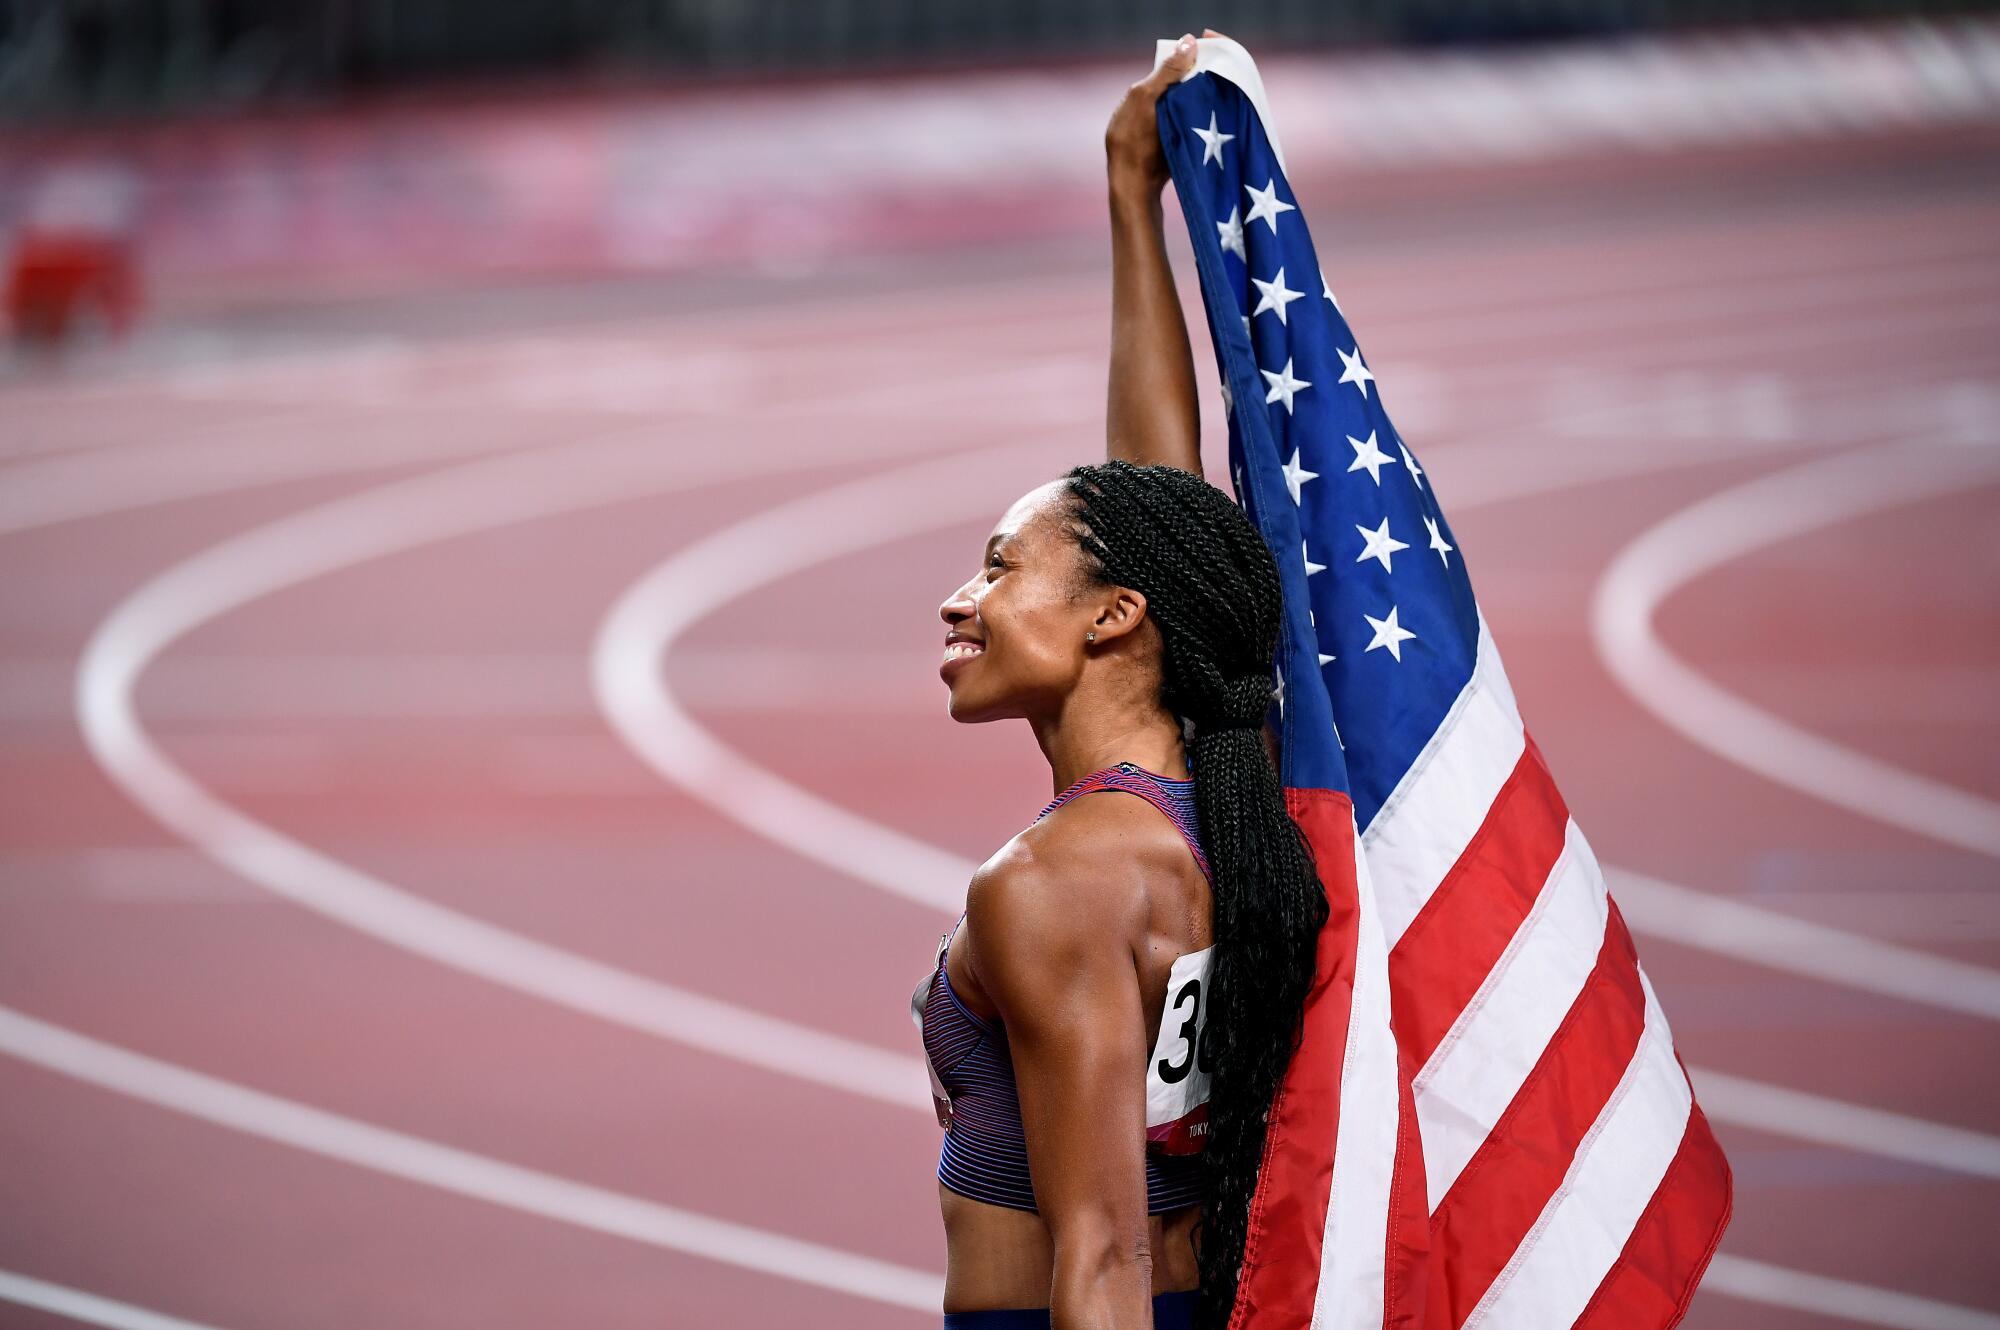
column 1090, row 637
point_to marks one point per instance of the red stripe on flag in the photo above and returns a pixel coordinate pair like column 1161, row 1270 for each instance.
column 1655, row 1276
column 1408, row 1269
column 1448, row 949
column 1279, row 1278
column 1505, row 1185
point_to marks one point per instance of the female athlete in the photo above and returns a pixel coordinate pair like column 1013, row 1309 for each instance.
column 1108, row 1021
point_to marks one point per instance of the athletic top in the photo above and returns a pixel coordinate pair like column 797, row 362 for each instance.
column 985, row 1150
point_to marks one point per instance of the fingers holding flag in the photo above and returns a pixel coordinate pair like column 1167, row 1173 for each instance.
column 1132, row 139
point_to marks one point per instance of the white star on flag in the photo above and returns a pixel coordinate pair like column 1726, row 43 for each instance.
column 1211, row 142
column 1275, row 295
column 1410, row 461
column 1311, row 567
column 1326, row 289
column 1228, row 399
column 1283, row 386
column 1388, row 633
column 1356, row 373
column 1438, row 543
column 1264, row 204
column 1232, row 233
column 1366, row 454
column 1296, row 474
column 1279, row 694
column 1380, row 545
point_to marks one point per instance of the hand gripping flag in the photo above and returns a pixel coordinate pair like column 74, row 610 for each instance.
column 1485, row 1123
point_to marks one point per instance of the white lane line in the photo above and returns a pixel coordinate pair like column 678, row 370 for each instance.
column 1749, row 517
column 117, row 479
column 1713, row 923
column 1782, row 1112
column 390, row 519
column 480, row 1177
column 88, row 1308
column 1841, row 1299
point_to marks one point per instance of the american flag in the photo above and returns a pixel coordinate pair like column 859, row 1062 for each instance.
column 1486, row 1123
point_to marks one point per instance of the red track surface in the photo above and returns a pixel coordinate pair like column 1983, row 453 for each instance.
column 427, row 718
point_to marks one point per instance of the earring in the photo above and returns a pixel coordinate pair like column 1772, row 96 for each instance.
column 1090, row 637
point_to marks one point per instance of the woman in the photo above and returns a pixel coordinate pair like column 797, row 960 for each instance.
column 1107, row 1022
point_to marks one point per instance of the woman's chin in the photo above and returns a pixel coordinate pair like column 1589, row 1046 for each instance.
column 967, row 712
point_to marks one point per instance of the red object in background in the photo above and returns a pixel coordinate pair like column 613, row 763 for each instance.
column 55, row 277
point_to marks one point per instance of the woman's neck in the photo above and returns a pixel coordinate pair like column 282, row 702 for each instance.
column 1075, row 746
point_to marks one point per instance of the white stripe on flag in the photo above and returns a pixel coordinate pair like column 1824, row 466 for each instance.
column 1581, row 1231
column 1442, row 800
column 1353, row 1255
column 1484, row 1058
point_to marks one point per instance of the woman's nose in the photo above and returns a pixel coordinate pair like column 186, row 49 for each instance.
column 957, row 606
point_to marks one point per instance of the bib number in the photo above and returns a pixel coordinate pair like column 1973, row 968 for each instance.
column 1177, row 1075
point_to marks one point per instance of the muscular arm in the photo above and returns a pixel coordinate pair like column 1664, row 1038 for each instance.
column 1052, row 922
column 1151, row 413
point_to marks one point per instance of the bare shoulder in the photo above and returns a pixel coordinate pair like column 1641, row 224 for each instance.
column 1073, row 883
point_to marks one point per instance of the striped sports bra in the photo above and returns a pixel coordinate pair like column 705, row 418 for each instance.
column 985, row 1151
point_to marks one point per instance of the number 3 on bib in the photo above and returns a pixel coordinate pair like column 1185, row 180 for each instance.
column 1177, row 1075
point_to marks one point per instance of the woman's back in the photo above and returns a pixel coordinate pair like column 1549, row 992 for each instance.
column 1146, row 875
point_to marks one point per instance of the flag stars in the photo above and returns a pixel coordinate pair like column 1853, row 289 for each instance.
column 1275, row 295
column 1368, row 456
column 1388, row 634
column 1410, row 461
column 1356, row 373
column 1284, row 387
column 1326, row 290
column 1380, row 545
column 1311, row 567
column 1438, row 543
column 1232, row 234
column 1265, row 204
column 1296, row 474
column 1212, row 140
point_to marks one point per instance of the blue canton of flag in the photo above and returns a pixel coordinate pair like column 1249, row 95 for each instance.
column 1385, row 630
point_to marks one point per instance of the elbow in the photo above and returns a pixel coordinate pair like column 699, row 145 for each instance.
column 1089, row 1270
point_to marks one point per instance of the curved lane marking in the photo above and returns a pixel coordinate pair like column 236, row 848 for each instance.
column 1742, row 520
column 1840, row 1299
column 89, row 1308
column 416, row 1159
column 379, row 522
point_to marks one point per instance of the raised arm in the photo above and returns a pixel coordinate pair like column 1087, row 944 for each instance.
column 1051, row 923
column 1150, row 412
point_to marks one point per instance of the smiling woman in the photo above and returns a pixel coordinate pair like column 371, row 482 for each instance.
column 1107, row 1022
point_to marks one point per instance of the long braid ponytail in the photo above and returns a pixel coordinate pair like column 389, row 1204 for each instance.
column 1212, row 587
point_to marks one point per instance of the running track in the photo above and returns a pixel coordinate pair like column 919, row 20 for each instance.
column 477, row 796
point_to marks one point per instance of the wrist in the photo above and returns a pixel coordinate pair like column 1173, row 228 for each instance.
column 1133, row 192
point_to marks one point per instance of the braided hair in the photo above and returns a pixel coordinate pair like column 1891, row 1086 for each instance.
column 1211, row 587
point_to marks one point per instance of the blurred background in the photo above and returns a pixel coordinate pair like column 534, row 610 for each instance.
column 477, row 481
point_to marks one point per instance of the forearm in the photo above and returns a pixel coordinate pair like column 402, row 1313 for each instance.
column 1151, row 414
column 1109, row 1291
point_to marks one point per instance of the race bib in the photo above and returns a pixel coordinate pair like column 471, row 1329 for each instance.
column 1177, row 1074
